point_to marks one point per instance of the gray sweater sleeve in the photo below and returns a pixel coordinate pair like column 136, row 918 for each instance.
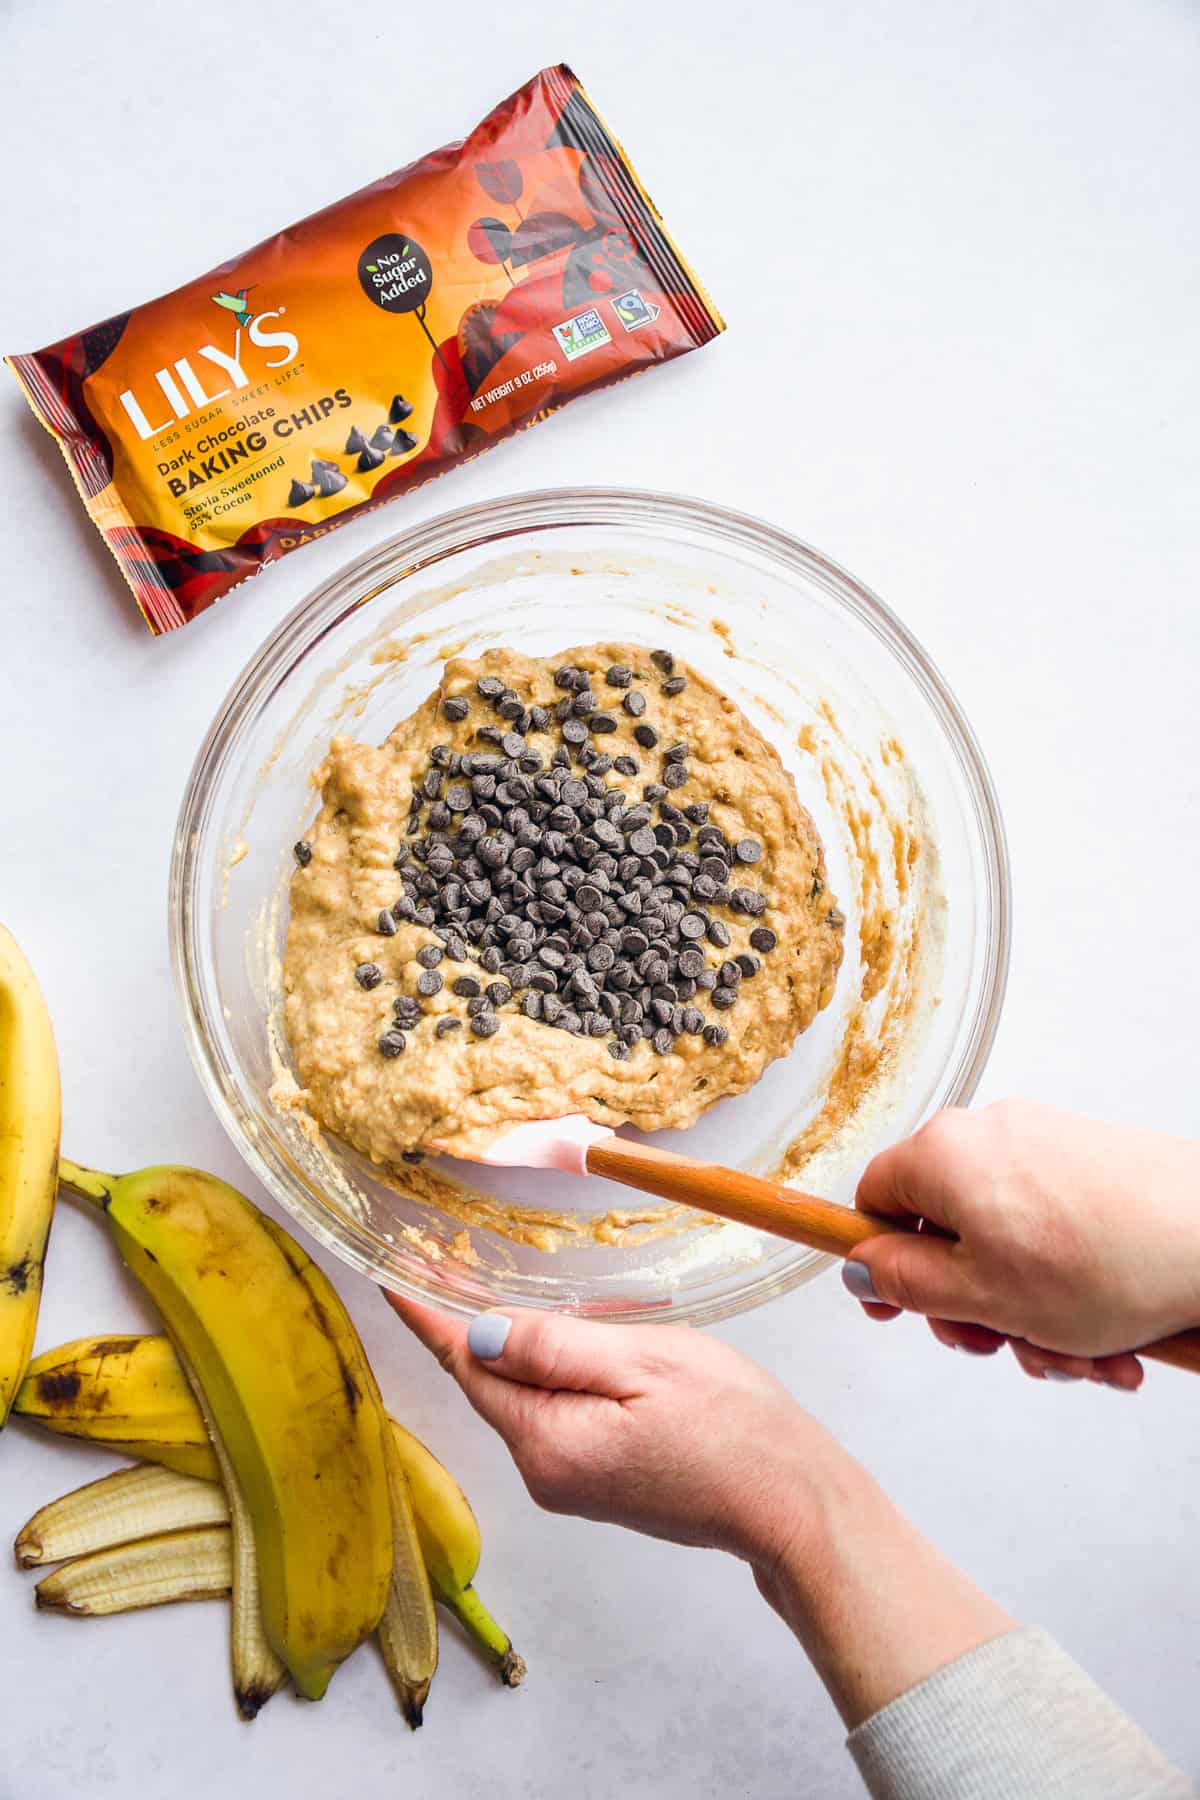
column 1015, row 1719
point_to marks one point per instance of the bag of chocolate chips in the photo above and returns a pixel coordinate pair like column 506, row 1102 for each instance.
column 366, row 350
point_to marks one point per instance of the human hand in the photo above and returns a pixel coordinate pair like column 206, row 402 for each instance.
column 1071, row 1240
column 674, row 1434
column 655, row 1427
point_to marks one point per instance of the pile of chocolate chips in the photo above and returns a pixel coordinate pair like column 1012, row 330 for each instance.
column 591, row 909
column 384, row 441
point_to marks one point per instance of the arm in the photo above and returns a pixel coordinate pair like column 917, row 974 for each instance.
column 676, row 1435
column 1072, row 1241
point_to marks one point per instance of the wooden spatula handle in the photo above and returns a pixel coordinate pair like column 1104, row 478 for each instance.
column 805, row 1219
column 821, row 1224
column 1181, row 1350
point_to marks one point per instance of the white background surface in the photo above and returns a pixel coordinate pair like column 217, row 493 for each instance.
column 957, row 249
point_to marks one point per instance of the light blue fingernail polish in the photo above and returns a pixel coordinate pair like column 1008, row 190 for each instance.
column 488, row 1335
column 1058, row 1375
column 857, row 1279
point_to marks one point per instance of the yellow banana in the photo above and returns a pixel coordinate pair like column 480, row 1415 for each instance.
column 101, row 1388
column 133, row 1503
column 30, row 1116
column 129, row 1392
column 176, row 1565
column 451, row 1546
column 289, row 1391
column 408, row 1634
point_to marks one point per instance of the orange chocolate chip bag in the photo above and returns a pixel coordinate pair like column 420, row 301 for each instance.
column 366, row 350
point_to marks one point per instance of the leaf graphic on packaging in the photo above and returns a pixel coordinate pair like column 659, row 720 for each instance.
column 501, row 181
column 540, row 234
column 404, row 252
column 372, row 268
column 488, row 240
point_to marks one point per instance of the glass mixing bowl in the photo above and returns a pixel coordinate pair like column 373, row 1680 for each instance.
column 882, row 757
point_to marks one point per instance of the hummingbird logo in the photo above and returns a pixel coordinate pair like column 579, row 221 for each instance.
column 234, row 303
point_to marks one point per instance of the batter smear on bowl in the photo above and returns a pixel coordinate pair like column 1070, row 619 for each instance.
column 576, row 884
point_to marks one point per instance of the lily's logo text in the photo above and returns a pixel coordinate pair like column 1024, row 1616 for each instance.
column 187, row 384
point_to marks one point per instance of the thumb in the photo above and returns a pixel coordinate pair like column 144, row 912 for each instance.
column 919, row 1273
column 556, row 1352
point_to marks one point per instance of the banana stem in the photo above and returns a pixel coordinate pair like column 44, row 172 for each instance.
column 86, row 1184
column 474, row 1616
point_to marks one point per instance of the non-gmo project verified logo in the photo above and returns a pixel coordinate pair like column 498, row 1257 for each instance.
column 587, row 331
column 633, row 311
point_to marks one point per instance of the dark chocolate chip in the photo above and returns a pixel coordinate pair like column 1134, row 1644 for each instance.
column 697, row 812
column 602, row 723
column 747, row 900
column 625, row 765
column 663, row 1041
column 574, row 731
column 617, row 1050
column 691, row 963
column 369, row 459
column 430, row 955
column 675, row 775
column 747, row 850
column 300, row 493
column 456, row 707
column 355, row 441
column 489, row 687
column 485, row 1024
column 646, row 736
column 718, row 934
column 430, row 982
column 368, row 975
column 724, row 997
column 763, row 938
column 675, row 686
column 386, row 924
column 499, row 993
column 446, row 1025
column 393, row 1043
column 303, row 853
column 693, row 925
column 399, row 410
column 402, row 443
column 328, row 478
column 619, row 676
column 715, row 1035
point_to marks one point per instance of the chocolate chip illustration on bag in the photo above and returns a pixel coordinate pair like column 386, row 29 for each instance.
column 366, row 350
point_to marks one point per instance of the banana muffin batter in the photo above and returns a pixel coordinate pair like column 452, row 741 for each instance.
column 582, row 883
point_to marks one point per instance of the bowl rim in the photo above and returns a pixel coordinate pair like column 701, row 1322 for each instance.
column 422, row 546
